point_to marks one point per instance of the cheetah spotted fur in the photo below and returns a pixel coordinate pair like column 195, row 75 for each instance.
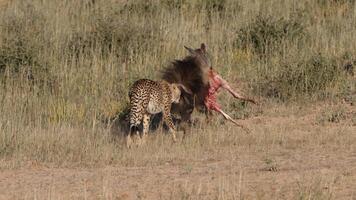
column 149, row 97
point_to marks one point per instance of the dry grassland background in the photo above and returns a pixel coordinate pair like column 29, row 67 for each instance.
column 65, row 70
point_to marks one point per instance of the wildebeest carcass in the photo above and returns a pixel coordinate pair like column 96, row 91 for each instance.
column 197, row 74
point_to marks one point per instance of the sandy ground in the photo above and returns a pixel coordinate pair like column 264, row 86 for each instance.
column 333, row 174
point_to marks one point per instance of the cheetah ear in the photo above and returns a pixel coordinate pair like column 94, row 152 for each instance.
column 191, row 51
column 187, row 90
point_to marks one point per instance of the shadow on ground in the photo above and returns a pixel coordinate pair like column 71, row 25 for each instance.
column 121, row 126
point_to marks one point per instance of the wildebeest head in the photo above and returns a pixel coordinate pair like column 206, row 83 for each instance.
column 200, row 56
column 192, row 73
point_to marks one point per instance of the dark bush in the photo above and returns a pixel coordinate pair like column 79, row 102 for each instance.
column 335, row 2
column 143, row 7
column 110, row 34
column 303, row 78
column 23, row 42
column 19, row 46
column 266, row 34
column 214, row 5
column 173, row 4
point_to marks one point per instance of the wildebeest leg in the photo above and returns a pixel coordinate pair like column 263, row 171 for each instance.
column 226, row 86
column 208, row 115
column 186, row 120
column 232, row 120
column 184, row 126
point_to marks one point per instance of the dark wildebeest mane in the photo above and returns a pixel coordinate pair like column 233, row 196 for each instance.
column 186, row 72
column 192, row 73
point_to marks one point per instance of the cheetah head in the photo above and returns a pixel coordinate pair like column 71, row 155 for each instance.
column 176, row 91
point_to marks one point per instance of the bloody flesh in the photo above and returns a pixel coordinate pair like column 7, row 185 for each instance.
column 210, row 99
column 215, row 83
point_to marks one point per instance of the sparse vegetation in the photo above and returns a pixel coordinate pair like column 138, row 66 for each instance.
column 66, row 66
column 334, row 115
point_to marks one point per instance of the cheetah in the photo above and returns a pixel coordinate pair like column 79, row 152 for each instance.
column 149, row 97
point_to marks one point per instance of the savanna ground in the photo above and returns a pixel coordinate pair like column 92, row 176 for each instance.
column 65, row 68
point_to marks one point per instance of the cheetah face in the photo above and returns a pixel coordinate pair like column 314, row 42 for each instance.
column 175, row 93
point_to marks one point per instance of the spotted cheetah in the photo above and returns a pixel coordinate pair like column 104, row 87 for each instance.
column 149, row 97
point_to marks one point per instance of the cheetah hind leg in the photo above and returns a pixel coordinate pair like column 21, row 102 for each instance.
column 146, row 127
column 169, row 122
column 128, row 136
column 133, row 137
column 138, row 139
column 128, row 140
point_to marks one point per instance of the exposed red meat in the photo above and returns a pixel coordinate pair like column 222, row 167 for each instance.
column 215, row 83
column 210, row 99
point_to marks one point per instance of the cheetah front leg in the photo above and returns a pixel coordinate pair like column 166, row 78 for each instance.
column 169, row 122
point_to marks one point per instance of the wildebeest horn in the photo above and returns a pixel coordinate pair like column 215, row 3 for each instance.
column 185, row 88
column 203, row 47
column 190, row 50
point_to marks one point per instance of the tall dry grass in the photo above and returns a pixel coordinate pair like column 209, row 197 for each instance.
column 65, row 66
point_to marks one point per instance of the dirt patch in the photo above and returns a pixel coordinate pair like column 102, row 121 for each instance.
column 334, row 175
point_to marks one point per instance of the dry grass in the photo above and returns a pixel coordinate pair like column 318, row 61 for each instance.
column 288, row 155
column 65, row 68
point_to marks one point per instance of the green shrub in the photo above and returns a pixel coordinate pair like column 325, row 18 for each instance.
column 213, row 5
column 266, row 34
column 24, row 47
column 20, row 44
column 110, row 34
column 311, row 77
column 335, row 2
